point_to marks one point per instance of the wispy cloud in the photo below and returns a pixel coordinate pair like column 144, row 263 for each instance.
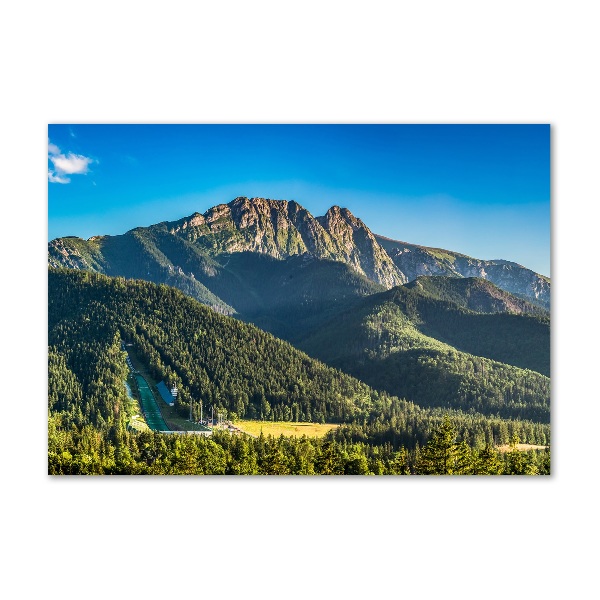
column 52, row 178
column 65, row 164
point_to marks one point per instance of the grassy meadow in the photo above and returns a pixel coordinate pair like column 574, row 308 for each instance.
column 286, row 428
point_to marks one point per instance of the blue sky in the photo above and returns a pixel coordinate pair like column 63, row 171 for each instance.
column 483, row 190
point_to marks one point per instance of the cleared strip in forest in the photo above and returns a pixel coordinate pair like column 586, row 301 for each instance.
column 152, row 413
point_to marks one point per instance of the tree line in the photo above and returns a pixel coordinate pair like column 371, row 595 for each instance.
column 152, row 453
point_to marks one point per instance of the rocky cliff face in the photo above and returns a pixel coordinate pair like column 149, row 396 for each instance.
column 356, row 245
column 416, row 261
column 282, row 229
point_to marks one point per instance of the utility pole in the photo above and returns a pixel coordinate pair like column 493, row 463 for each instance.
column 191, row 404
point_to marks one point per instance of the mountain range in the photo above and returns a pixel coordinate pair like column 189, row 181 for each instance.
column 441, row 329
column 200, row 254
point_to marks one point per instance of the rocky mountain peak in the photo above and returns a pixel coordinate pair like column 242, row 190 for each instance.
column 337, row 217
column 358, row 246
column 282, row 228
column 334, row 211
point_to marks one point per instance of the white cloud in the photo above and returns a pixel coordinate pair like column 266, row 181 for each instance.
column 56, row 178
column 71, row 163
column 65, row 164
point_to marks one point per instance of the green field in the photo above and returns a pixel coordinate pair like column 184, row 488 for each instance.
column 277, row 428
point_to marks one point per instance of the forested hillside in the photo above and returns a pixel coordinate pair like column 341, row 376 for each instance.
column 254, row 286
column 438, row 354
column 218, row 359
column 227, row 364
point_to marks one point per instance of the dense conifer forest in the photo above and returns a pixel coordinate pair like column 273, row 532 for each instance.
column 438, row 354
column 236, row 366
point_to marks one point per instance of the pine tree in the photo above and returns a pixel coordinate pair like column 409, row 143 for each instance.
column 487, row 462
column 329, row 461
column 443, row 454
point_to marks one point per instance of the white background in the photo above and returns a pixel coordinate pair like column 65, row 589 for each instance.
column 389, row 62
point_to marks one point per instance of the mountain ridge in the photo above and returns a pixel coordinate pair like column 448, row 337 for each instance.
column 473, row 293
column 281, row 229
column 415, row 260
